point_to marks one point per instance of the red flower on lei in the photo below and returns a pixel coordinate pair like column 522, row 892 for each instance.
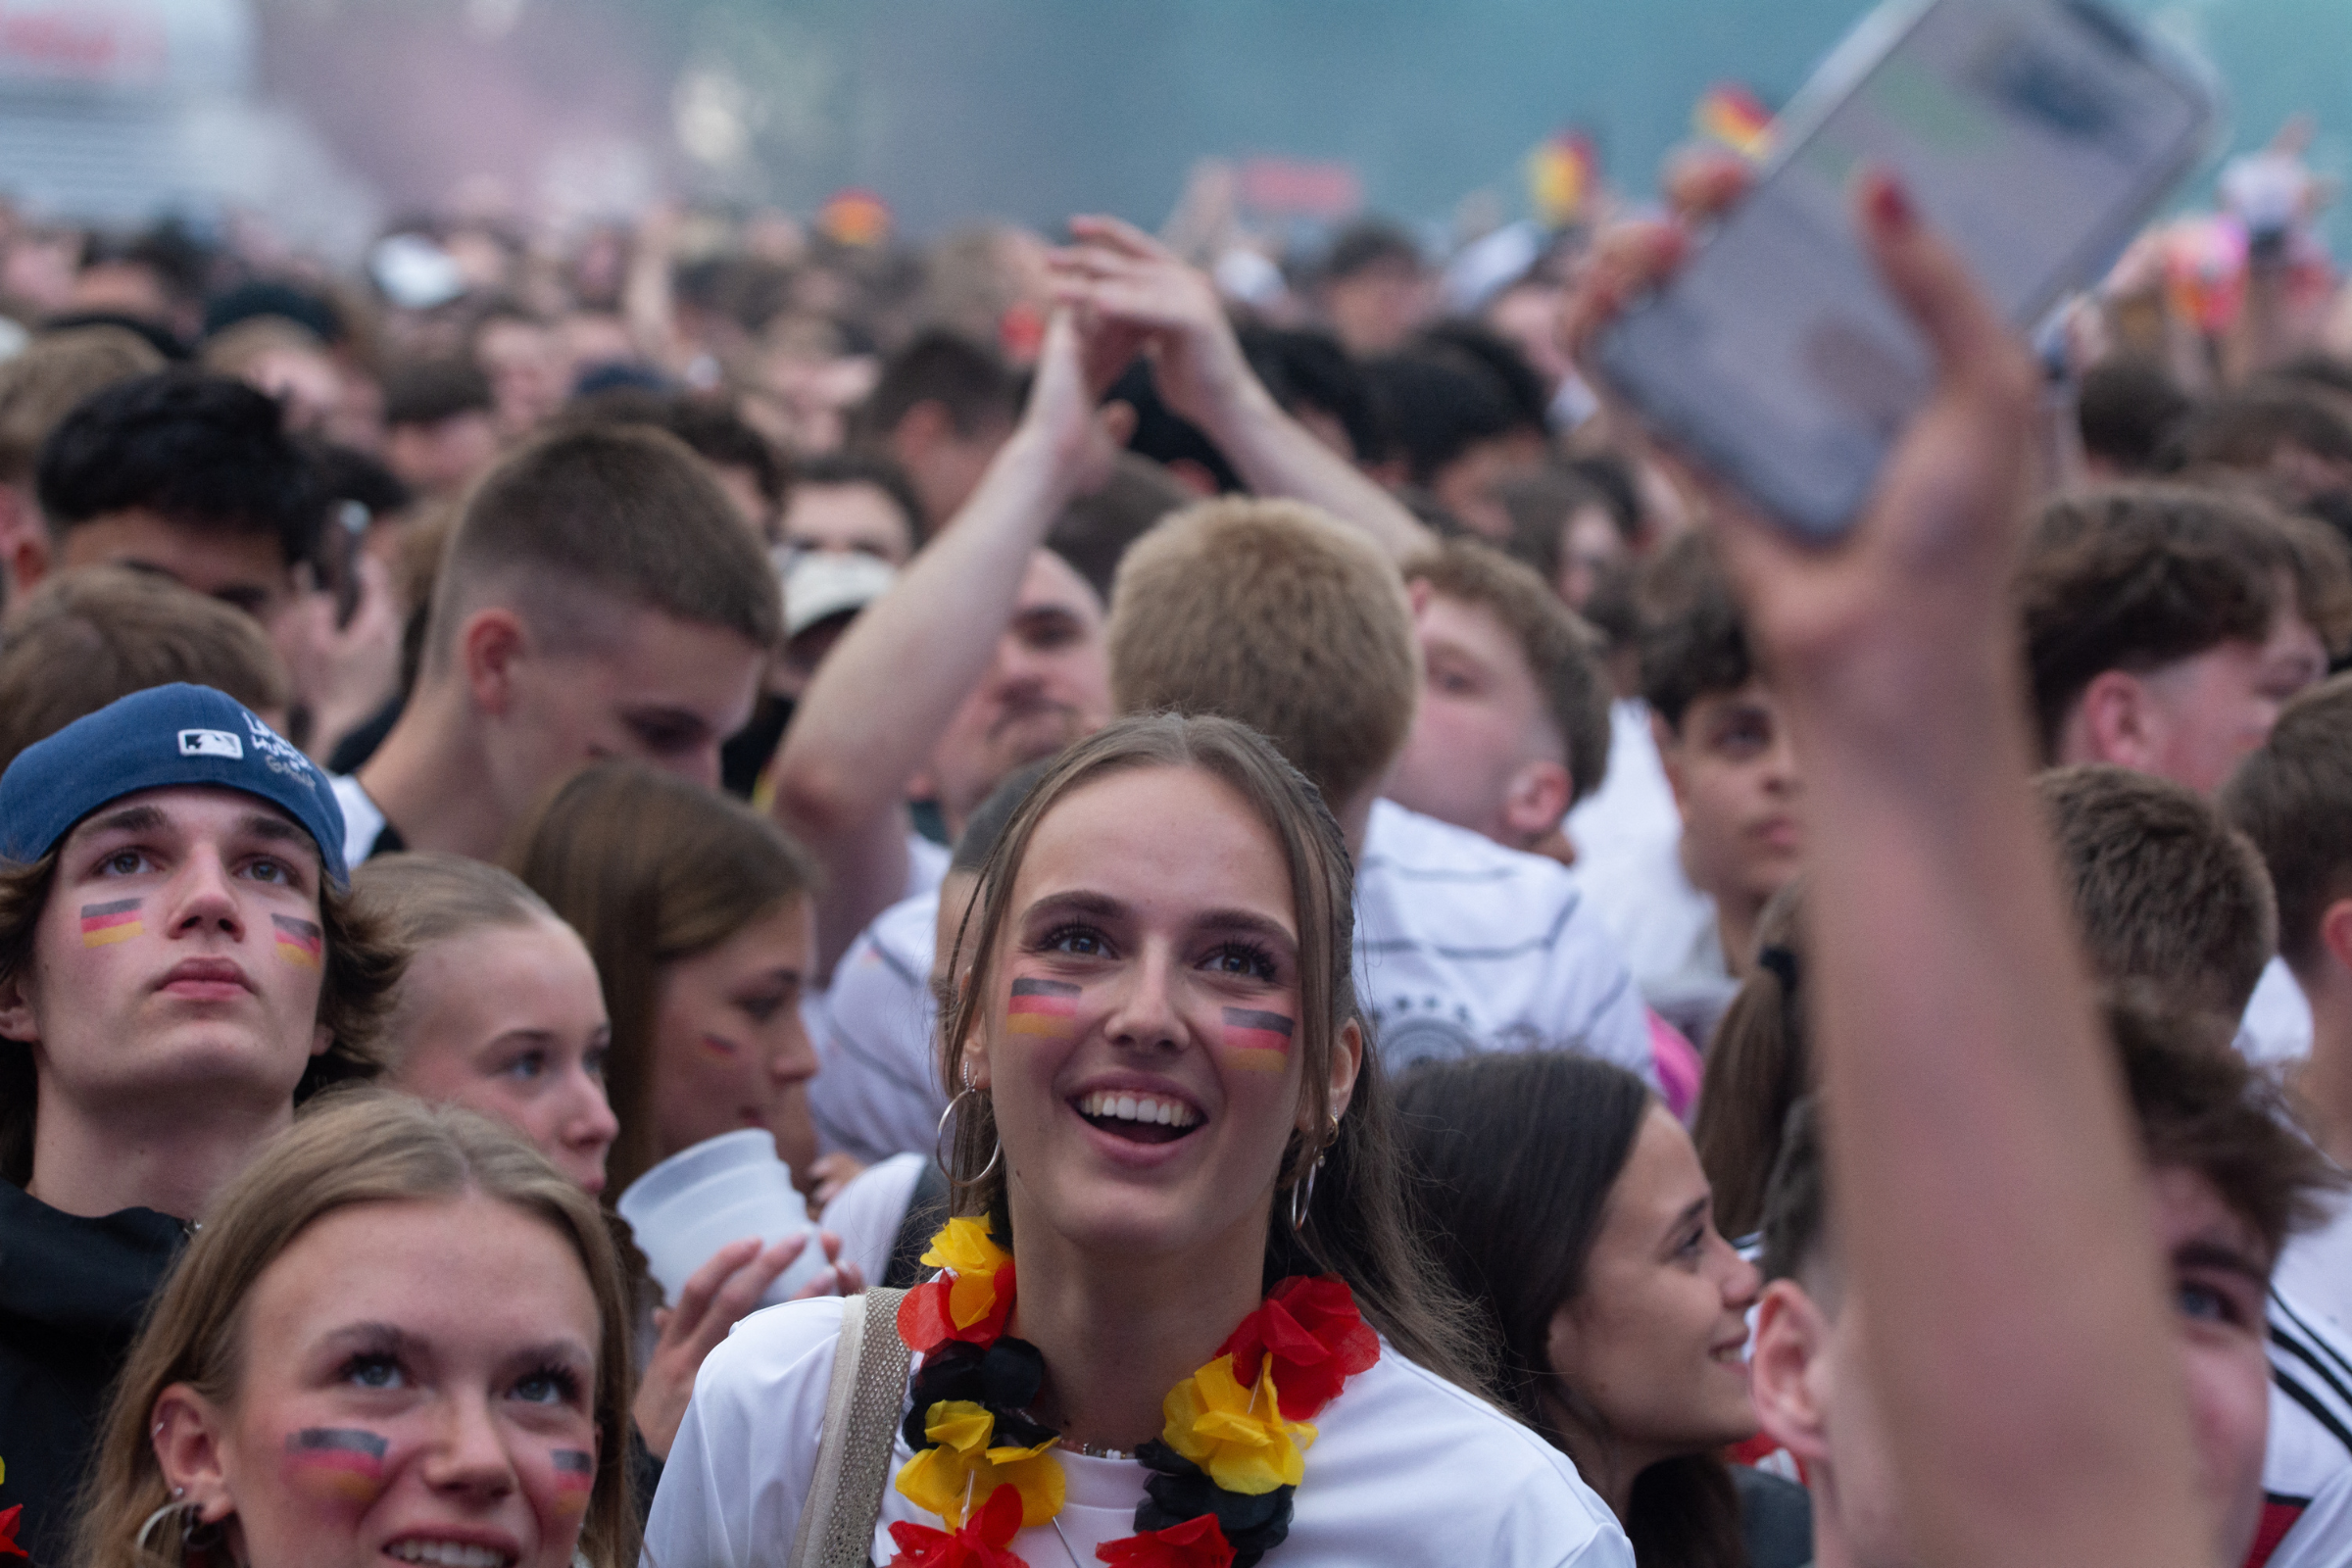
column 1310, row 1327
column 980, row 1543
column 8, row 1532
column 927, row 1317
column 1194, row 1544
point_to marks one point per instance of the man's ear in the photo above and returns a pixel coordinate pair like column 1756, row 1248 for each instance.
column 2113, row 722
column 1782, row 1363
column 17, row 1019
column 186, row 1430
column 1536, row 799
column 2335, row 932
column 490, row 645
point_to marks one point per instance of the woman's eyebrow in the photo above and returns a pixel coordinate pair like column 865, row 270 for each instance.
column 1077, row 901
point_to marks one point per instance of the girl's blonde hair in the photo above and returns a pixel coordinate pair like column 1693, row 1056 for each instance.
column 359, row 1146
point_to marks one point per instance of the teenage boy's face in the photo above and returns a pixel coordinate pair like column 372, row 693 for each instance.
column 248, row 571
column 1481, row 720
column 1047, row 685
column 2210, row 710
column 2218, row 1270
column 662, row 690
column 2220, row 1274
column 1734, row 778
column 179, row 949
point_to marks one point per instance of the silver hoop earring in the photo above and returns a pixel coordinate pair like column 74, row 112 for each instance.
column 187, row 1526
column 1302, row 1196
column 939, row 1142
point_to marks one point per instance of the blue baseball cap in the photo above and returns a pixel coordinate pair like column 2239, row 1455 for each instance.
column 165, row 735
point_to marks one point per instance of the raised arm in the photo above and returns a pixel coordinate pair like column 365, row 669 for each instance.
column 1144, row 298
column 886, row 691
column 1993, row 1202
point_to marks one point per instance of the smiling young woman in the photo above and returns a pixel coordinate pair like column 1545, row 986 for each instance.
column 445, row 1373
column 1173, row 1136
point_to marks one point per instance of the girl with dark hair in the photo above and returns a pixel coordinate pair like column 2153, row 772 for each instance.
column 1566, row 1201
column 1181, row 1255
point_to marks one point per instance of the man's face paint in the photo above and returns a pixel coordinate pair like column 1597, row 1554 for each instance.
column 1043, row 1008
column 103, row 924
column 299, row 942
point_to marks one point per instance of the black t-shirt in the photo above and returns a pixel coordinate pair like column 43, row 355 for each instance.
column 71, row 1294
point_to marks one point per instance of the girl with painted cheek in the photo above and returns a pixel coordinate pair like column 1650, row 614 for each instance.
column 402, row 1335
column 1569, row 1203
column 698, row 913
column 1177, row 1316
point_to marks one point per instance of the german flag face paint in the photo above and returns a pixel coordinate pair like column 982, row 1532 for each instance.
column 1043, row 1008
column 341, row 1461
column 1258, row 1040
column 298, row 941
column 575, row 1479
column 103, row 924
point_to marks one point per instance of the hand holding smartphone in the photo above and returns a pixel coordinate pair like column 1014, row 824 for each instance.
column 2036, row 135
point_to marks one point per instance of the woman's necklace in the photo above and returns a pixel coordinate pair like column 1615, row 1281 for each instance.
column 1223, row 1468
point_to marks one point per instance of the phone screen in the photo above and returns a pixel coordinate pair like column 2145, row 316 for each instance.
column 2033, row 133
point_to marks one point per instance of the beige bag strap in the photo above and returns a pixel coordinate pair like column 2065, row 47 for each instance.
column 862, row 1401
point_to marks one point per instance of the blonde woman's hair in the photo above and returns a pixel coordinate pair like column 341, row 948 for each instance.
column 426, row 898
column 359, row 1146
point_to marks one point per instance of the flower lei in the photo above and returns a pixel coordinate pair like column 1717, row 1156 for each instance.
column 1223, row 1468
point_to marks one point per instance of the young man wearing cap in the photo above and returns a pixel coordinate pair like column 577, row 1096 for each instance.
column 179, row 960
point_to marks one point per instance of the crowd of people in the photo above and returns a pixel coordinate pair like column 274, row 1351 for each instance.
column 1354, row 962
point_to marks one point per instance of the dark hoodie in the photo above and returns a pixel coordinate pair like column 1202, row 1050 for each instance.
column 71, row 1294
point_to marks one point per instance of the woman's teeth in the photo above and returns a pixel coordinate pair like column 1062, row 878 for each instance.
column 449, row 1554
column 1113, row 1106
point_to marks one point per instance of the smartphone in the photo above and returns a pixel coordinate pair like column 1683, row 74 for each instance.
column 2037, row 135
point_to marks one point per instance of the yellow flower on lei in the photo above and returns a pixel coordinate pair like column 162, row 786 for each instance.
column 965, row 1248
column 1236, row 1434
column 963, row 1472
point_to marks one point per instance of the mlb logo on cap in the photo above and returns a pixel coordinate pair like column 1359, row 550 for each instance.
column 157, row 739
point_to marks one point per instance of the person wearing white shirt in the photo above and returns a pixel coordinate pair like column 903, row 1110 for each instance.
column 2294, row 797
column 1685, row 907
column 1157, row 1033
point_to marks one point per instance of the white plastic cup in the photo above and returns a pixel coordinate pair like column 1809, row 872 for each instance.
column 721, row 1190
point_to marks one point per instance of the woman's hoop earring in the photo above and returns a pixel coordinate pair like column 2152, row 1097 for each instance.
column 1302, row 1191
column 187, row 1527
column 939, row 1144
column 1302, row 1196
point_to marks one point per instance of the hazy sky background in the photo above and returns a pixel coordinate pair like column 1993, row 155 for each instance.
column 1033, row 109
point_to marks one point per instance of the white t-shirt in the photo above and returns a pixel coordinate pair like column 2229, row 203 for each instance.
column 1463, row 946
column 2316, row 1269
column 866, row 1213
column 1666, row 928
column 2309, row 1453
column 363, row 818
column 874, row 1094
column 2322, row 1536
column 1634, row 805
column 1405, row 1469
column 2276, row 1027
